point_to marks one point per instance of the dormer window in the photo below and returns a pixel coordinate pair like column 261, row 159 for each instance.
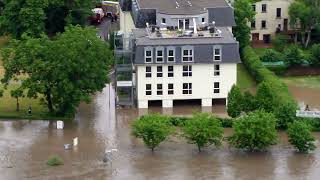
column 159, row 55
column 170, row 54
column 148, row 55
column 163, row 20
column 217, row 53
column 187, row 54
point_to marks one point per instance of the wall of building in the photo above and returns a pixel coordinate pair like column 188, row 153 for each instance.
column 270, row 16
column 172, row 20
column 202, row 83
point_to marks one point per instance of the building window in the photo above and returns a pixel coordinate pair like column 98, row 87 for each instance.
column 253, row 24
column 254, row 7
column 170, row 71
column 159, row 55
column 148, row 71
column 216, row 53
column 278, row 12
column 203, row 20
column 159, row 71
column 216, row 71
column 170, row 89
column 216, row 88
column 163, row 20
column 263, row 24
column 187, row 55
column 148, row 90
column 171, row 55
column 187, row 71
column 159, row 89
column 148, row 56
column 187, row 88
column 264, row 8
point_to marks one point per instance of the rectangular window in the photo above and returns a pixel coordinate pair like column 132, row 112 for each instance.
column 217, row 54
column 278, row 12
column 148, row 56
column 187, row 88
column 187, row 71
column 187, row 55
column 253, row 24
column 159, row 89
column 203, row 20
column 216, row 88
column 216, row 70
column 159, row 71
column 148, row 90
column 163, row 20
column 254, row 7
column 159, row 55
column 170, row 71
column 264, row 8
column 170, row 89
column 148, row 72
column 263, row 24
column 171, row 55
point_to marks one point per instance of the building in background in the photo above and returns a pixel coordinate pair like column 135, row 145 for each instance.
column 177, row 50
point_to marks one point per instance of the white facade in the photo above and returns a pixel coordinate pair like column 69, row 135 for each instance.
column 203, row 79
column 271, row 17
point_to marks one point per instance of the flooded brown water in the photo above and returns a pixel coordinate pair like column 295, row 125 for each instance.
column 26, row 145
column 304, row 95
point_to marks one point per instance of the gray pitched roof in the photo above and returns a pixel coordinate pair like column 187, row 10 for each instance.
column 181, row 7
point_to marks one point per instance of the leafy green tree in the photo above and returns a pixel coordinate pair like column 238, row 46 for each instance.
column 300, row 136
column 255, row 131
column 17, row 93
column 152, row 129
column 293, row 56
column 315, row 55
column 271, row 55
column 280, row 42
column 265, row 97
column 249, row 102
column 66, row 70
column 244, row 14
column 203, row 130
column 285, row 113
column 235, row 99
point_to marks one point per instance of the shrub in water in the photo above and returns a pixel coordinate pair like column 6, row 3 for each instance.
column 55, row 161
column 300, row 136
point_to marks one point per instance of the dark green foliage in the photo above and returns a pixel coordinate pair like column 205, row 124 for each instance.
column 271, row 55
column 17, row 93
column 280, row 42
column 285, row 113
column 294, row 56
column 178, row 121
column 203, row 130
column 152, row 129
column 235, row 99
column 55, row 161
column 315, row 55
column 300, row 136
column 1, row 92
column 265, row 98
column 249, row 102
column 66, row 70
column 255, row 131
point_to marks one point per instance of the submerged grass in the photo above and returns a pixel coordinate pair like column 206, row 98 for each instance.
column 303, row 81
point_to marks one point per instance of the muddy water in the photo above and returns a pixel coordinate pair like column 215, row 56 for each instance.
column 304, row 95
column 26, row 145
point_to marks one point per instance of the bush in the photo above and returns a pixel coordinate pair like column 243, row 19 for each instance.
column 152, row 129
column 55, row 160
column 300, row 136
column 280, row 42
column 271, row 55
column 203, row 130
column 315, row 55
column 255, row 131
column 285, row 113
column 249, row 102
column 265, row 98
column 294, row 56
column 178, row 121
column 234, row 106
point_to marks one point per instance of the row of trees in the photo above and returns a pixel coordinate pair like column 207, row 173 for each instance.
column 253, row 132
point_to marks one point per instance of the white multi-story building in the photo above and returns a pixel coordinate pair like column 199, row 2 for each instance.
column 181, row 50
column 271, row 17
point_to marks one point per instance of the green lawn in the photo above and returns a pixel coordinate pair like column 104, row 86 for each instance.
column 244, row 81
column 260, row 51
column 303, row 81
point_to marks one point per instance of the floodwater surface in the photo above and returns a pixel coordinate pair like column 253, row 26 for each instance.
column 26, row 145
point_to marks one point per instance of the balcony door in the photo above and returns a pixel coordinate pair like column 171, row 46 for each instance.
column 183, row 24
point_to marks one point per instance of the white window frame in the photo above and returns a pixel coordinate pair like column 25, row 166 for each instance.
column 158, row 72
column 188, row 89
column 145, row 54
column 170, row 89
column 148, row 90
column 188, row 71
column 162, row 56
column 216, row 88
column 173, row 56
column 159, row 90
column 149, row 73
column 216, row 71
column 189, row 55
column 217, row 55
column 171, row 72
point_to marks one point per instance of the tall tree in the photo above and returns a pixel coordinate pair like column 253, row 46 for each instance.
column 17, row 93
column 235, row 100
column 306, row 14
column 244, row 14
column 66, row 70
